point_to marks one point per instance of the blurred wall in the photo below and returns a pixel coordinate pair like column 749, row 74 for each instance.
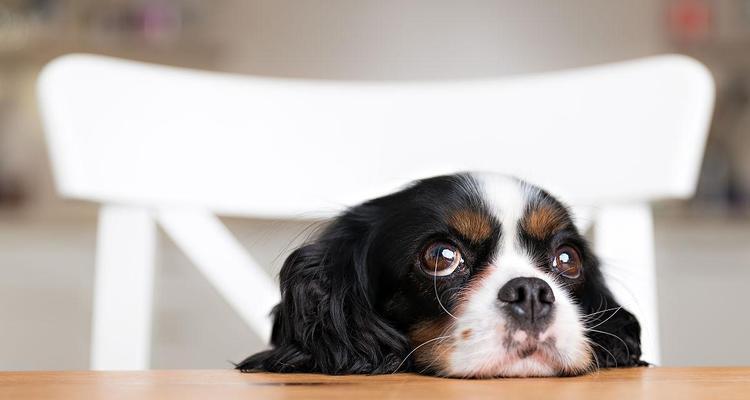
column 425, row 39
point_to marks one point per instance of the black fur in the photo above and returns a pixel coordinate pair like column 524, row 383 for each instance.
column 616, row 333
column 319, row 329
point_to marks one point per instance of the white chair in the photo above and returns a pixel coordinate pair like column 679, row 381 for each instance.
column 156, row 144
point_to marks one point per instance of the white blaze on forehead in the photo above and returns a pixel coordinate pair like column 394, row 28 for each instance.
column 506, row 199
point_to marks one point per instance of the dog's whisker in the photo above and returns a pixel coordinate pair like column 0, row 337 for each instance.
column 627, row 349
column 417, row 348
column 607, row 319
column 605, row 349
column 437, row 295
column 599, row 312
column 593, row 353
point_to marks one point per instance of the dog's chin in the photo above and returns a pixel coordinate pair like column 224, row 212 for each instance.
column 532, row 357
column 540, row 359
column 527, row 363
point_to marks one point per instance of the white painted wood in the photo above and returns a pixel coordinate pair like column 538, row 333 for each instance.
column 123, row 288
column 223, row 260
column 624, row 239
column 123, row 131
column 156, row 137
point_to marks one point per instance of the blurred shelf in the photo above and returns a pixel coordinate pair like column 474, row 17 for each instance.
column 164, row 31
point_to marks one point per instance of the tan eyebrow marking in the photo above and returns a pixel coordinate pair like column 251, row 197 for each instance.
column 544, row 221
column 473, row 225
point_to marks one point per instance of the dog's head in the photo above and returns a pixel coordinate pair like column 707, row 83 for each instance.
column 469, row 275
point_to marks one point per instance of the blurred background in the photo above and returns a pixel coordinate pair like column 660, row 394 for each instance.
column 47, row 244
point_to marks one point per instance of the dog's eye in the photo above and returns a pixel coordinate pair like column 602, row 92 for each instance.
column 567, row 262
column 441, row 259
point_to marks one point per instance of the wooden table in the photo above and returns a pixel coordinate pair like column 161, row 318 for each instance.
column 629, row 384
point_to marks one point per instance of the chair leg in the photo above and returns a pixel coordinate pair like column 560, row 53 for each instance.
column 226, row 264
column 123, row 289
column 624, row 240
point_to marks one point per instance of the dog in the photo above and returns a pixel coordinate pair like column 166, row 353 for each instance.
column 471, row 275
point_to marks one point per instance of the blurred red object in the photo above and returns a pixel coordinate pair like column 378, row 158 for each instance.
column 690, row 21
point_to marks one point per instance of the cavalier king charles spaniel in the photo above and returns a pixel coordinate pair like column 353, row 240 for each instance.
column 467, row 275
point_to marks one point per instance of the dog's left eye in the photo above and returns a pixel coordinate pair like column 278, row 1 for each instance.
column 441, row 259
column 567, row 262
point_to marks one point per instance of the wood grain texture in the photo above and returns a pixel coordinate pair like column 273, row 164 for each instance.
column 629, row 384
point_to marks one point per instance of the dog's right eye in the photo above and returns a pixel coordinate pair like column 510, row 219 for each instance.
column 441, row 259
column 567, row 262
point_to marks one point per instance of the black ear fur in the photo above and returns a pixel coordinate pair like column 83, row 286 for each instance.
column 325, row 322
column 615, row 332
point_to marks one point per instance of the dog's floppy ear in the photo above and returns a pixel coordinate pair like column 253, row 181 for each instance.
column 325, row 321
column 614, row 331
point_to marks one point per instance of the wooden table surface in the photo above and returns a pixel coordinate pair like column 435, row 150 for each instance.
column 636, row 383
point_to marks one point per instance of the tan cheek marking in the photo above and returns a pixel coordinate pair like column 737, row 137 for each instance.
column 435, row 354
column 544, row 222
column 473, row 225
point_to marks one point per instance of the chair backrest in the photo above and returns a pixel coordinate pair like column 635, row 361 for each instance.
column 128, row 132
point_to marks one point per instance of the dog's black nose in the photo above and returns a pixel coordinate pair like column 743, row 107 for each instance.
column 528, row 301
